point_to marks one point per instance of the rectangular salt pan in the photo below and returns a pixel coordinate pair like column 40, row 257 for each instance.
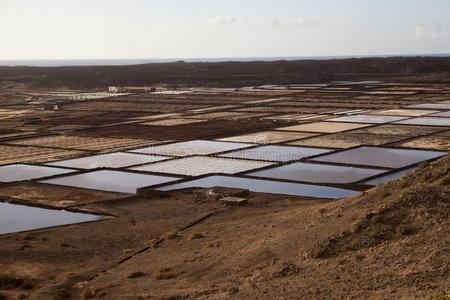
column 111, row 181
column 111, row 160
column 196, row 147
column 16, row 218
column 200, row 165
column 390, row 177
column 404, row 112
column 276, row 153
column 367, row 119
column 431, row 106
column 265, row 137
column 327, row 127
column 317, row 173
column 427, row 121
column 379, row 157
column 18, row 172
column 264, row 186
column 445, row 114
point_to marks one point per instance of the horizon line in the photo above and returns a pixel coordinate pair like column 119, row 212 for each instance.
column 231, row 57
column 90, row 62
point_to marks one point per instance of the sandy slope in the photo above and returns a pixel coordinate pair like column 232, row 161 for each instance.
column 390, row 242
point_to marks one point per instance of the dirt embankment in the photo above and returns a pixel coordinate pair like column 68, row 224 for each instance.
column 390, row 242
column 231, row 74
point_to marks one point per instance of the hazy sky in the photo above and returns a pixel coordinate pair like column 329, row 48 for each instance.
column 78, row 29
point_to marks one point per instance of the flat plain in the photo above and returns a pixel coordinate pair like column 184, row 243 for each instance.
column 133, row 161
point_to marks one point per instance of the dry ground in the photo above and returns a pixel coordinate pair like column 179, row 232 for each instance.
column 390, row 242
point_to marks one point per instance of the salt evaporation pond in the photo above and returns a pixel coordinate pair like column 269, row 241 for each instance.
column 390, row 177
column 196, row 147
column 16, row 218
column 379, row 157
column 377, row 119
column 276, row 153
column 426, row 121
column 18, row 172
column 110, row 160
column 431, row 106
column 445, row 114
column 264, row 186
column 111, row 181
column 200, row 165
column 318, row 173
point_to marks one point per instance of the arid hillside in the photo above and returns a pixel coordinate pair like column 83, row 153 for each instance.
column 390, row 242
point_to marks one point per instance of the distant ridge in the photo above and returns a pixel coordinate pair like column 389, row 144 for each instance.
column 232, row 74
column 137, row 61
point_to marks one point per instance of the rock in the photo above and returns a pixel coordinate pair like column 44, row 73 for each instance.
column 217, row 192
column 230, row 192
column 234, row 200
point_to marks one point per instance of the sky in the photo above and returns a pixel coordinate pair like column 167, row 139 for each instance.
column 101, row 29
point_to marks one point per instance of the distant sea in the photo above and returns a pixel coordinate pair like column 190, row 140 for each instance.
column 137, row 61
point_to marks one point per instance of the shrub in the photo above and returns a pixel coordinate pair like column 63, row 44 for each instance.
column 24, row 246
column 9, row 282
column 87, row 294
column 62, row 293
column 424, row 164
column 134, row 275
column 216, row 244
column 27, row 237
column 95, row 292
column 166, row 273
column 445, row 180
column 404, row 229
column 385, row 194
column 163, row 276
column 196, row 235
column 404, row 184
column 441, row 296
column 232, row 290
column 360, row 256
column 28, row 285
column 377, row 219
column 169, row 236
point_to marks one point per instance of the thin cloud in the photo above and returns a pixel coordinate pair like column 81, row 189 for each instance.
column 229, row 20
column 297, row 22
column 225, row 20
column 429, row 32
